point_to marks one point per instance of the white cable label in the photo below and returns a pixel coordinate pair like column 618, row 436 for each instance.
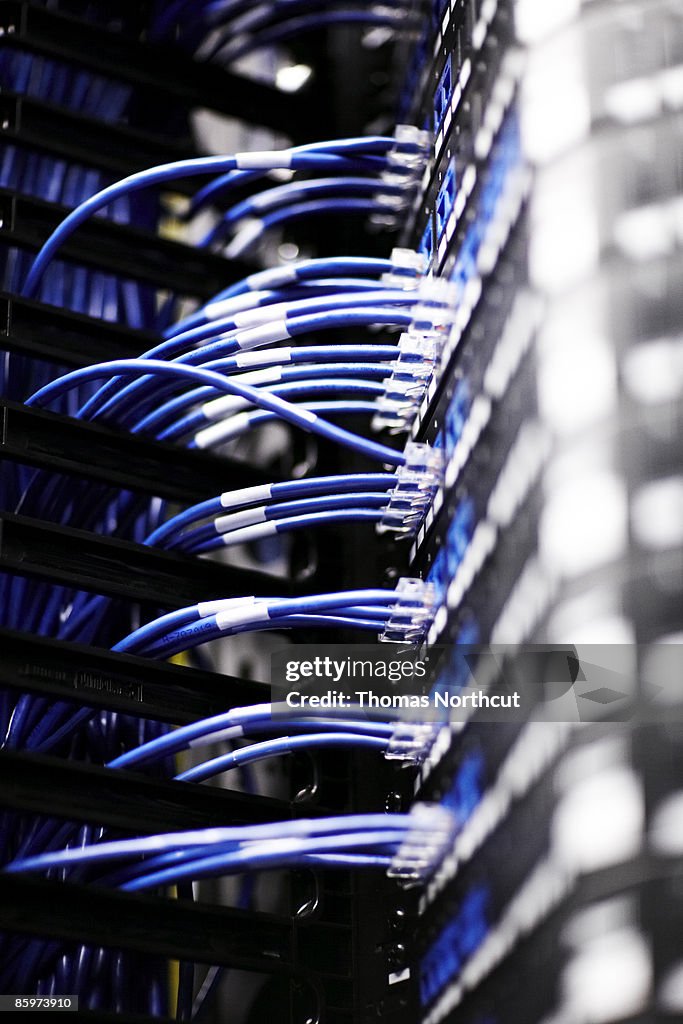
column 224, row 524
column 229, row 404
column 247, row 496
column 264, row 334
column 222, row 431
column 272, row 278
column 233, row 732
column 278, row 355
column 228, row 307
column 248, row 533
column 252, row 229
column 262, row 315
column 206, row 608
column 232, row 619
column 263, row 160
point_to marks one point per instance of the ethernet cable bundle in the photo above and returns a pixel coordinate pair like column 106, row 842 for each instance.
column 241, row 360
column 230, row 32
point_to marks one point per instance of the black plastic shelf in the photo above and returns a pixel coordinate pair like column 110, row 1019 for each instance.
column 163, row 70
column 116, row 149
column 125, row 800
column 41, row 331
column 174, row 928
column 119, row 682
column 116, row 568
column 57, row 443
column 177, row 929
column 26, row 222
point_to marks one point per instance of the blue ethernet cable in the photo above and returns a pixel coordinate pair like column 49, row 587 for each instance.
column 285, row 491
column 236, row 835
column 272, row 607
column 255, row 857
column 243, row 19
column 305, row 23
column 302, row 272
column 333, row 163
column 340, row 387
column 288, row 412
column 303, row 390
column 305, row 853
column 228, row 725
column 282, row 526
column 255, row 229
column 131, row 398
column 310, row 157
column 296, row 191
column 279, row 355
column 250, row 338
column 137, row 411
column 385, row 839
column 217, row 324
column 164, row 417
column 217, row 12
column 267, row 513
column 382, row 857
column 202, row 632
column 352, row 157
column 241, row 423
column 276, row 748
column 252, row 299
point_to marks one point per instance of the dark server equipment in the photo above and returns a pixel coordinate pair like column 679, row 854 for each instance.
column 341, row 511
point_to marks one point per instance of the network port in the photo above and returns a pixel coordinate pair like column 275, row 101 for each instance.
column 445, row 201
column 426, row 246
column 443, row 94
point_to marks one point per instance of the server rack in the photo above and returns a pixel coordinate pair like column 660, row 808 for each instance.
column 544, row 379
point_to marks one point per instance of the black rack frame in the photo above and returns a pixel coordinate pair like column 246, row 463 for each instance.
column 117, row 149
column 41, row 331
column 26, row 222
column 60, row 670
column 146, row 66
column 177, row 929
column 125, row 800
column 118, row 568
column 58, row 443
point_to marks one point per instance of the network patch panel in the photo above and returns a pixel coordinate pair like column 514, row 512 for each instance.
column 559, row 202
column 553, row 899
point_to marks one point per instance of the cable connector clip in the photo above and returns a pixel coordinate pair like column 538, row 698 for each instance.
column 391, row 204
column 416, row 485
column 412, row 148
column 407, row 269
column 411, row 741
column 436, row 307
column 412, row 614
column 406, row 161
column 428, row 842
column 408, row 383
